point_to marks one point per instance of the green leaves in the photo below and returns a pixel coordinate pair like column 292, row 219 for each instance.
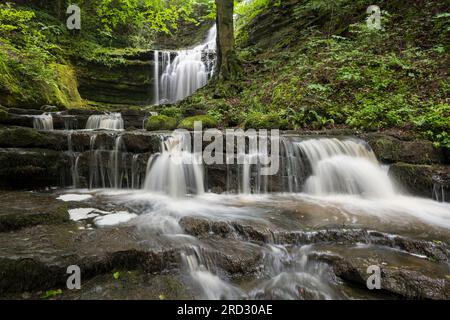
column 52, row 293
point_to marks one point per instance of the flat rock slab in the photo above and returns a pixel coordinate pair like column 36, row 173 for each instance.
column 24, row 209
column 120, row 285
column 38, row 257
column 402, row 274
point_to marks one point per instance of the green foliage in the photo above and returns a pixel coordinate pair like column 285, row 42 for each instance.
column 136, row 23
column 29, row 73
column 52, row 293
column 206, row 120
column 328, row 69
column 434, row 122
column 259, row 120
column 116, row 275
column 161, row 122
column 173, row 112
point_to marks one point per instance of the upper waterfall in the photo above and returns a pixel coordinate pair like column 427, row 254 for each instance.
column 190, row 70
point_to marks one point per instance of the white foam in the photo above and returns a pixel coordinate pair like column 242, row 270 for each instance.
column 74, row 197
column 114, row 219
column 82, row 214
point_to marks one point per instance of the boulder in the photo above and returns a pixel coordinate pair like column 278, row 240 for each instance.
column 430, row 181
column 391, row 149
column 412, row 279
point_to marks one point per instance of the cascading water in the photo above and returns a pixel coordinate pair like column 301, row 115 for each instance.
column 186, row 73
column 344, row 167
column 109, row 168
column 175, row 171
column 109, row 121
column 324, row 177
column 43, row 122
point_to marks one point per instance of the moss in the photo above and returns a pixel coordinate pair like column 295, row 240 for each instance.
column 3, row 115
column 206, row 120
column 161, row 122
column 57, row 215
column 172, row 112
column 66, row 92
column 259, row 120
column 21, row 137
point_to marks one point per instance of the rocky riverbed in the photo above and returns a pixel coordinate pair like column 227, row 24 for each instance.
column 79, row 197
column 243, row 248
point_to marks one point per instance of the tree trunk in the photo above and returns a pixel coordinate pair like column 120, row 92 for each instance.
column 226, row 60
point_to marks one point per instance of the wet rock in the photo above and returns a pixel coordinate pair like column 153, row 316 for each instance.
column 203, row 228
column 48, row 108
column 20, row 137
column 32, row 168
column 438, row 251
column 24, row 209
column 195, row 226
column 141, row 143
column 240, row 258
column 234, row 257
column 431, row 181
column 129, row 83
column 408, row 277
column 131, row 285
column 390, row 149
column 4, row 116
column 19, row 111
column 37, row 258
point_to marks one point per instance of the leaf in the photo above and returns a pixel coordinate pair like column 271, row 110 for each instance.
column 162, row 297
column 52, row 293
column 116, row 275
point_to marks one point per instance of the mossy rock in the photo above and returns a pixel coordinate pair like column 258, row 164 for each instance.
column 161, row 122
column 23, row 209
column 259, row 120
column 207, row 122
column 3, row 115
column 20, row 137
column 48, row 108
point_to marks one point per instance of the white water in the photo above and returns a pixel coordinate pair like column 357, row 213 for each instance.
column 189, row 71
column 344, row 167
column 43, row 122
column 108, row 121
column 175, row 171
column 156, row 77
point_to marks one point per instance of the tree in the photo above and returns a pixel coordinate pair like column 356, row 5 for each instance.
column 227, row 63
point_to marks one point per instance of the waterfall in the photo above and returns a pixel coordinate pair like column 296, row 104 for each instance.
column 116, row 164
column 199, row 264
column 156, row 77
column 249, row 170
column 189, row 71
column 175, row 171
column 43, row 122
column 339, row 167
column 74, row 161
column 108, row 121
